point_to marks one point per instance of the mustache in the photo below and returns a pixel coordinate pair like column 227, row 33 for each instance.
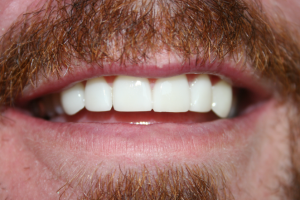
column 61, row 33
column 169, row 182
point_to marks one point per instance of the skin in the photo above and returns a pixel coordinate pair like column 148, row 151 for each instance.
column 262, row 162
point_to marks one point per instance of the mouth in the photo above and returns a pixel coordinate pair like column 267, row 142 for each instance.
column 140, row 115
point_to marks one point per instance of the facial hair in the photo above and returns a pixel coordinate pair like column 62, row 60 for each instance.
column 51, row 39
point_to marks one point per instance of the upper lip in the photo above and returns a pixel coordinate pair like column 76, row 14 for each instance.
column 241, row 76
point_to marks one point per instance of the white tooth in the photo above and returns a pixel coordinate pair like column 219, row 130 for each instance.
column 171, row 94
column 221, row 98
column 98, row 95
column 201, row 94
column 72, row 99
column 131, row 94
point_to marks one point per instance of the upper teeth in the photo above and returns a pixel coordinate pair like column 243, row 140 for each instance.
column 201, row 94
column 131, row 94
column 171, row 94
column 97, row 95
column 73, row 99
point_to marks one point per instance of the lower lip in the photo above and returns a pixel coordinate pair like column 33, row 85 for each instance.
column 162, row 140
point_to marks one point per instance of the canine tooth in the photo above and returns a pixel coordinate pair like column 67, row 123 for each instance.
column 72, row 99
column 98, row 95
column 131, row 94
column 171, row 94
column 201, row 94
column 221, row 98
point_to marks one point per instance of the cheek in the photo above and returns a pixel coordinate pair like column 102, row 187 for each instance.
column 10, row 10
column 268, row 168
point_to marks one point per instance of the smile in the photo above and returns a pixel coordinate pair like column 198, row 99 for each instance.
column 186, row 114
